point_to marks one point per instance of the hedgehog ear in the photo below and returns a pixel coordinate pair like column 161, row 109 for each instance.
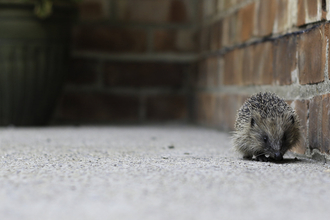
column 252, row 122
column 292, row 119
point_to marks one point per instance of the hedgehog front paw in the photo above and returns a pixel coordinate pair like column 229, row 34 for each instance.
column 262, row 158
column 247, row 157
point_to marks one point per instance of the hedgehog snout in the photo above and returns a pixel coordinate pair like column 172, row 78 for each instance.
column 278, row 156
column 276, row 150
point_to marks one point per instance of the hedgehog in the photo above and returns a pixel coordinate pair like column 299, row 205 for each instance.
column 266, row 128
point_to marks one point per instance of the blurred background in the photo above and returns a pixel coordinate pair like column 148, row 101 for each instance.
column 131, row 62
column 163, row 61
column 128, row 61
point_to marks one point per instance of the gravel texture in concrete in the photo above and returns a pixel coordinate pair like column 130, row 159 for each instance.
column 150, row 172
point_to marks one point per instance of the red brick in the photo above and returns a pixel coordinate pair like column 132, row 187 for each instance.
column 219, row 116
column 263, row 63
column 227, row 112
column 301, row 108
column 212, row 70
column 191, row 75
column 170, row 40
column 247, row 73
column 327, row 33
column 285, row 60
column 215, row 38
column 229, row 33
column 308, row 11
column 143, row 11
column 206, row 108
column 233, row 29
column 229, row 3
column 94, row 10
column 240, row 1
column 98, row 107
column 209, row 8
column 164, row 40
column 282, row 16
column 144, row 74
column 201, row 74
column 186, row 40
column 311, row 56
column 205, row 36
column 180, row 11
column 156, row 11
column 227, row 106
column 197, row 113
column 82, row 71
column 325, row 134
column 210, row 109
column 223, row 109
column 233, row 68
column 312, row 8
column 230, row 105
column 301, row 13
column 246, row 22
column 109, row 39
column 324, row 8
column 225, row 38
column 200, row 10
column 167, row 107
column 221, row 70
column 315, row 126
column 219, row 5
column 266, row 11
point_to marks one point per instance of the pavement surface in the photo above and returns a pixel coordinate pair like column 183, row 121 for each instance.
column 150, row 172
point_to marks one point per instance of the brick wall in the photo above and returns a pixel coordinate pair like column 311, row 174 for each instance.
column 132, row 61
column 199, row 60
column 281, row 46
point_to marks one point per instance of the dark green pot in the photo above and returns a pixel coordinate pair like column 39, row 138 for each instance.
column 33, row 63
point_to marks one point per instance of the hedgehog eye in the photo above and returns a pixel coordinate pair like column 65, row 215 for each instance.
column 292, row 119
column 252, row 122
column 265, row 138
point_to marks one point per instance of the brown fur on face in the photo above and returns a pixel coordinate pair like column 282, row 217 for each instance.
column 266, row 125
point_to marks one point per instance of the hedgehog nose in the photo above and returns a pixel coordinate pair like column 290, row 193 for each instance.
column 278, row 156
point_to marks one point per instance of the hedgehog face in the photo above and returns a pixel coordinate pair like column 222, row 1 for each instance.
column 274, row 136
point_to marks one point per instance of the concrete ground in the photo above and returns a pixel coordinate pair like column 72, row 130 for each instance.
column 150, row 172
